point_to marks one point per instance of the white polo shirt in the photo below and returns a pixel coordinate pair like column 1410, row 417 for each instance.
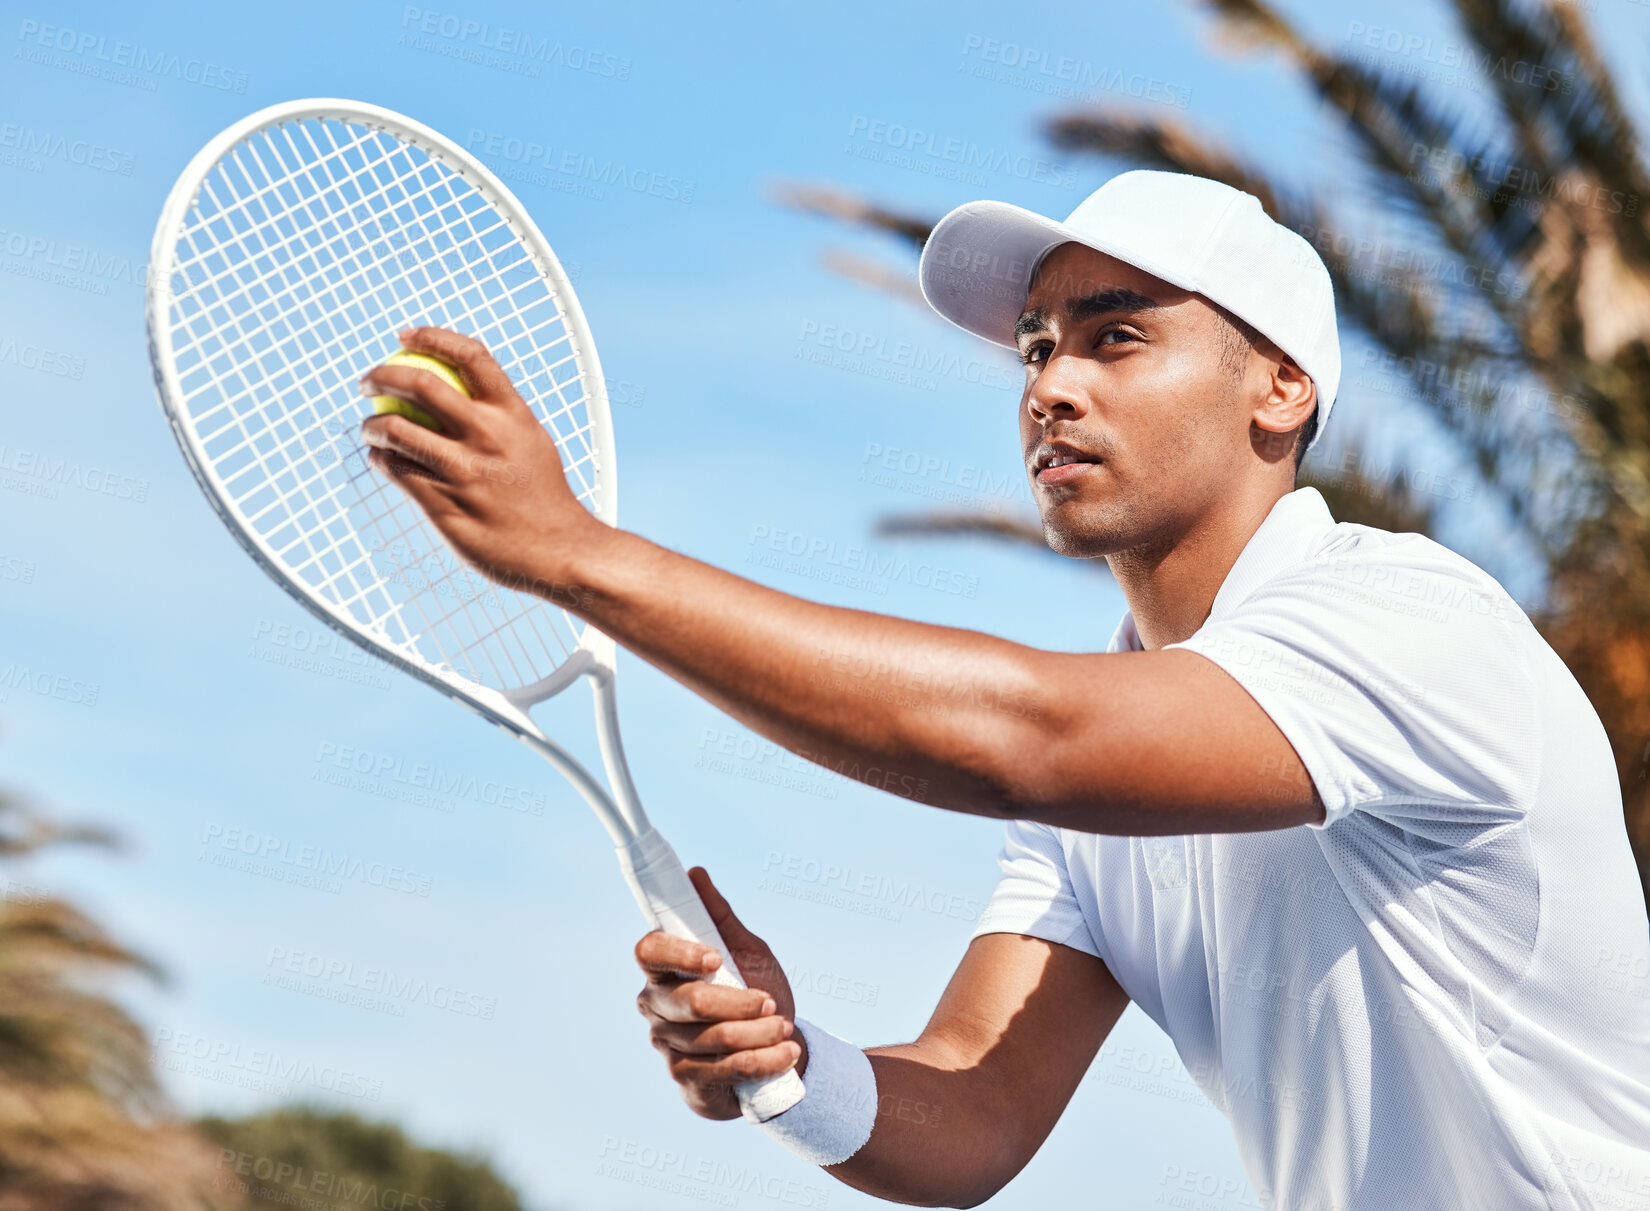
column 1440, row 997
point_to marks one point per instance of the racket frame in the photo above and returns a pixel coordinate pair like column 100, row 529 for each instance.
column 595, row 654
column 649, row 865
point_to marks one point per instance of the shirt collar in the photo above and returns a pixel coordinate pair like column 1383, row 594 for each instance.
column 1288, row 535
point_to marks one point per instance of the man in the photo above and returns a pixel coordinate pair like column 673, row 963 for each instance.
column 1329, row 809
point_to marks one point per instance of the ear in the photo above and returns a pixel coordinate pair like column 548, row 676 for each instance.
column 1288, row 402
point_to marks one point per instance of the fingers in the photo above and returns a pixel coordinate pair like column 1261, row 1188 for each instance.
column 448, row 406
column 696, row 1001
column 476, row 366
column 660, row 953
column 414, row 443
column 737, row 1068
column 395, row 452
column 721, row 1038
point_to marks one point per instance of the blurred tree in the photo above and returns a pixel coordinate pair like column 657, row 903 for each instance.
column 339, row 1162
column 1498, row 261
column 83, row 1126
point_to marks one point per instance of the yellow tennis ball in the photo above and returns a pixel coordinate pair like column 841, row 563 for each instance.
column 445, row 371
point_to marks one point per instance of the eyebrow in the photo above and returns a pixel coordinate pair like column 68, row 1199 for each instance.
column 1101, row 302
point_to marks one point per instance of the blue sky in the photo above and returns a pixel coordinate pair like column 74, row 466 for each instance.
column 191, row 705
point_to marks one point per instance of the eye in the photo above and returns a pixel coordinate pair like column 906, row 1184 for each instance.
column 1106, row 334
column 1036, row 353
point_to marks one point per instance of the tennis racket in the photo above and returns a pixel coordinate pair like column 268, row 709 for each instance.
column 293, row 248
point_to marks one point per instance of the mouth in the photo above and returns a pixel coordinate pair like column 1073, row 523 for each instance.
column 1060, row 463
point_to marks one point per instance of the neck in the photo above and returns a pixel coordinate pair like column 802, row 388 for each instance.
column 1170, row 584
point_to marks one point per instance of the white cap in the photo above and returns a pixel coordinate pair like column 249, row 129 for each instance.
column 1190, row 231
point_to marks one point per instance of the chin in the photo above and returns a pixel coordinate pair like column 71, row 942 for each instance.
column 1077, row 535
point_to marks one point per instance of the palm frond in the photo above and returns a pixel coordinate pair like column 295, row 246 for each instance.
column 1018, row 531
column 856, row 211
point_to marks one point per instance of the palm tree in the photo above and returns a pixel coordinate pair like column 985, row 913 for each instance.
column 83, row 1126
column 1518, row 313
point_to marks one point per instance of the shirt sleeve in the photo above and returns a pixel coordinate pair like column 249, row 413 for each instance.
column 1035, row 895
column 1399, row 672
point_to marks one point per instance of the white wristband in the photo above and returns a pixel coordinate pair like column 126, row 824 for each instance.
column 835, row 1116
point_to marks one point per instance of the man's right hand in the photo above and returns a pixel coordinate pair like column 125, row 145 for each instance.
column 713, row 1037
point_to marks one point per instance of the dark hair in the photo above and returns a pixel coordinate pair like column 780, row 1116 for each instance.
column 1242, row 336
column 1308, row 431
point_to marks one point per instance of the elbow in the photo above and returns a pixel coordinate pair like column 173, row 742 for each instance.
column 975, row 1198
column 969, row 1193
column 982, row 1186
column 1025, row 770
column 1024, row 783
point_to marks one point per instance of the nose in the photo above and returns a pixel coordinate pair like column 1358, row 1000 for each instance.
column 1057, row 392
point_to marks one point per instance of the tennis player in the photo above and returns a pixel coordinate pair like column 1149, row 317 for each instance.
column 1328, row 809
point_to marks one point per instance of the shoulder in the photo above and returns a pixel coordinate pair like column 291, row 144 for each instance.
column 1398, row 670
column 1407, row 575
column 1398, row 616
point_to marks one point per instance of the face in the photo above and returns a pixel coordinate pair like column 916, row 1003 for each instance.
column 1133, row 418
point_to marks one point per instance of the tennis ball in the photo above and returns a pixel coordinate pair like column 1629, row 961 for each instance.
column 446, row 372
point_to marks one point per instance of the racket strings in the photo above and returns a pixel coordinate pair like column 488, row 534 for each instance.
column 426, row 627
column 299, row 260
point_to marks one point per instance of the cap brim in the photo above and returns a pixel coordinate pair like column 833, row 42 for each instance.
column 977, row 264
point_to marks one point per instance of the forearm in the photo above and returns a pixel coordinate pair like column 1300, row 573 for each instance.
column 963, row 1109
column 939, row 1138
column 928, row 712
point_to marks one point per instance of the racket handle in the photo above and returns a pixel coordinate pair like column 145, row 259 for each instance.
column 669, row 901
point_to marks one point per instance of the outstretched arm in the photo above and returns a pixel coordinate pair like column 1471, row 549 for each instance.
column 959, row 1112
column 1140, row 743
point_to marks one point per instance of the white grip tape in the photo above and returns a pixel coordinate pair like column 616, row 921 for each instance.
column 669, row 901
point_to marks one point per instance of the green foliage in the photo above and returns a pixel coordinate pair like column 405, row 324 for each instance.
column 325, row 1161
